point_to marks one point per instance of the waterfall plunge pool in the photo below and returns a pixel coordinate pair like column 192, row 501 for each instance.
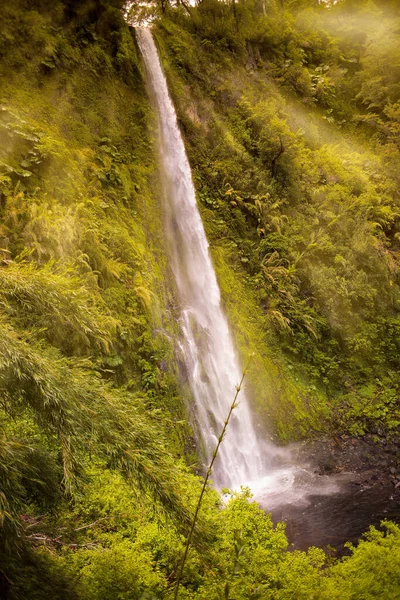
column 328, row 492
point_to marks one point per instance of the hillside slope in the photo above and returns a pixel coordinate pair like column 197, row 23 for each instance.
column 296, row 163
column 95, row 496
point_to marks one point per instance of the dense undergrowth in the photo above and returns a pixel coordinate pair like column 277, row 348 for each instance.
column 301, row 209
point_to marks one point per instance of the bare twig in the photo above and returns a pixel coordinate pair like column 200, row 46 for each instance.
column 47, row 540
column 203, row 489
column 98, row 521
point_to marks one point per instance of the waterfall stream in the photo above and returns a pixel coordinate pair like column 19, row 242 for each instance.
column 211, row 362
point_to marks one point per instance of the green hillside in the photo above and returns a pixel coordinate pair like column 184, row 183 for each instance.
column 290, row 113
column 297, row 176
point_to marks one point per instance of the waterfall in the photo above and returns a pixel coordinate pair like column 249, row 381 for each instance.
column 212, row 365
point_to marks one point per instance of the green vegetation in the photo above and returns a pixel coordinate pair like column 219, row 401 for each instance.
column 296, row 162
column 290, row 113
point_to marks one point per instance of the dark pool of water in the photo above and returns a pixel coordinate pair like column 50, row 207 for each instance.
column 332, row 520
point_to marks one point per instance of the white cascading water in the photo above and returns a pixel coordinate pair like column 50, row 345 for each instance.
column 211, row 362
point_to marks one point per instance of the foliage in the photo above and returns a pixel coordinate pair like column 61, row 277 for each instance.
column 290, row 116
column 305, row 210
column 246, row 557
column 371, row 570
column 81, row 261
